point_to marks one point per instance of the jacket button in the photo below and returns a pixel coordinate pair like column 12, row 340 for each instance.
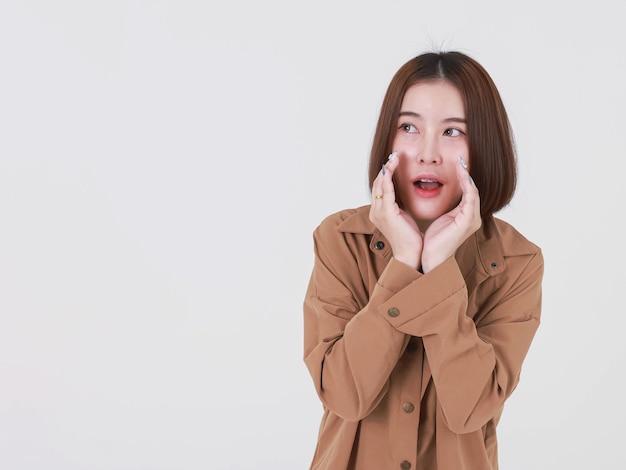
column 379, row 245
column 405, row 465
column 408, row 407
column 393, row 312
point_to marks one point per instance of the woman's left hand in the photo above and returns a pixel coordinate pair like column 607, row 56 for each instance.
column 449, row 231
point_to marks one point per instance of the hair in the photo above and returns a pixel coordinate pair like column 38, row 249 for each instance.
column 492, row 153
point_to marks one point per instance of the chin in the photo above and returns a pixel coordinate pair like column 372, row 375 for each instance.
column 427, row 216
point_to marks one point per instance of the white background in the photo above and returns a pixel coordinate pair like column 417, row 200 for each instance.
column 162, row 167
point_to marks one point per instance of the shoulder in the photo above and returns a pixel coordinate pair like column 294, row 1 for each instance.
column 344, row 236
column 355, row 220
column 523, row 258
column 513, row 242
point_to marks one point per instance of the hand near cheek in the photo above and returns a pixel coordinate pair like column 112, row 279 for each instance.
column 396, row 225
column 449, row 231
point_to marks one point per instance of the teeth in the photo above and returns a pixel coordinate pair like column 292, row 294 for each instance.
column 423, row 180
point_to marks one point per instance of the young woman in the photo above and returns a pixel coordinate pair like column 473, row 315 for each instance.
column 422, row 306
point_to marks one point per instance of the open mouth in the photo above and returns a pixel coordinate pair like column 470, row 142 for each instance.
column 427, row 184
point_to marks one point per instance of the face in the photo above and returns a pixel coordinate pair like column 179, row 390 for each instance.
column 431, row 134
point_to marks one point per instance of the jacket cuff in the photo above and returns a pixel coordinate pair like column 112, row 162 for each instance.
column 397, row 275
column 423, row 294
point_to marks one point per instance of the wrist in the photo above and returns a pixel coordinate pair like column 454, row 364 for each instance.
column 410, row 260
column 431, row 262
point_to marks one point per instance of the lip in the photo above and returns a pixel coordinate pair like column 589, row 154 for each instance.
column 427, row 193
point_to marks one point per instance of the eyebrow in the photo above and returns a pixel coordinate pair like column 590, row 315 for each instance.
column 419, row 116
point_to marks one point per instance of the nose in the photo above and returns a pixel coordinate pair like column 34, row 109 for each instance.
column 429, row 153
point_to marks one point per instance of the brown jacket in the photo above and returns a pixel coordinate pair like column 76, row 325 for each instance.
column 413, row 369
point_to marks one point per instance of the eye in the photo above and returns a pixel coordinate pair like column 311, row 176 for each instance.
column 451, row 132
column 410, row 128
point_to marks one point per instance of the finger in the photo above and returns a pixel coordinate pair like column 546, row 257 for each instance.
column 377, row 186
column 469, row 207
column 383, row 184
column 468, row 187
column 388, row 187
column 392, row 162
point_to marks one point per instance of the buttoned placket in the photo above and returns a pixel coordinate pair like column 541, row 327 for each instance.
column 408, row 376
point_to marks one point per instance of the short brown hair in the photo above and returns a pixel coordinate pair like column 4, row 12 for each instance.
column 491, row 144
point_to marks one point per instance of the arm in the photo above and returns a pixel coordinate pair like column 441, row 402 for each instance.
column 475, row 367
column 350, row 347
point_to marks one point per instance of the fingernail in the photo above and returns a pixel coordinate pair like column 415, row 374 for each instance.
column 462, row 162
column 470, row 179
column 383, row 169
column 393, row 155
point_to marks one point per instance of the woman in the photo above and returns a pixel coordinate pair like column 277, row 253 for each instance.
column 422, row 306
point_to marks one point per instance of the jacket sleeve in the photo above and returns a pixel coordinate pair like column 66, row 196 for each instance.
column 475, row 366
column 350, row 349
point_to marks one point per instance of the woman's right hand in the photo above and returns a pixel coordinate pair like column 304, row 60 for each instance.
column 396, row 225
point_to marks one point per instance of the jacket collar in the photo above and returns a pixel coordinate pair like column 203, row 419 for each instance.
column 486, row 254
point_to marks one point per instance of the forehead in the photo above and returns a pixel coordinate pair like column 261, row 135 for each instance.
column 438, row 96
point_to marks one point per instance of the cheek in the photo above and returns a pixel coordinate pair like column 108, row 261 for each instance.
column 402, row 185
column 463, row 150
column 406, row 145
column 458, row 193
column 401, row 173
